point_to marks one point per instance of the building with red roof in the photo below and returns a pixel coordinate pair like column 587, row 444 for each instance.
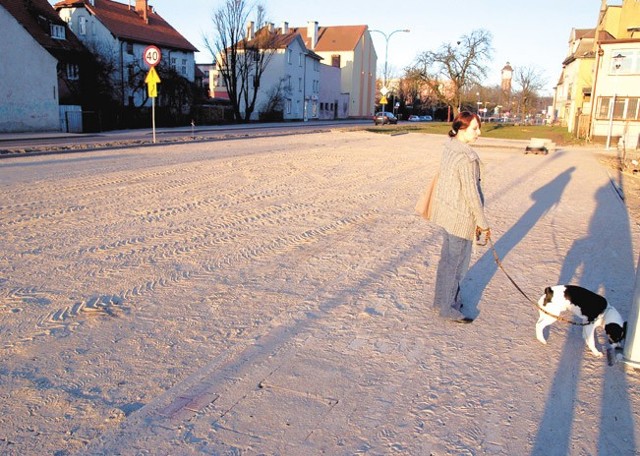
column 120, row 32
column 323, row 72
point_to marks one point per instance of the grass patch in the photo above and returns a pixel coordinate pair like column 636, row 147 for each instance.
column 555, row 133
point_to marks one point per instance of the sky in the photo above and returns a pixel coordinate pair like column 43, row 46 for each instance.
column 525, row 33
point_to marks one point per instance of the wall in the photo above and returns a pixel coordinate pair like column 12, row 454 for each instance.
column 28, row 81
column 333, row 103
column 358, row 76
column 623, row 86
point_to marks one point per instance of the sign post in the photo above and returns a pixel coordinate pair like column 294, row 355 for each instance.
column 152, row 56
column 383, row 100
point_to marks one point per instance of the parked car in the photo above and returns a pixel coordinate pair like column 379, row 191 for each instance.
column 426, row 118
column 413, row 118
column 382, row 118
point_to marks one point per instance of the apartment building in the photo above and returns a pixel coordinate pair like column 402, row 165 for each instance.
column 598, row 93
column 325, row 72
column 119, row 33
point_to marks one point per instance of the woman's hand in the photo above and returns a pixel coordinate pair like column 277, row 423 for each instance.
column 482, row 235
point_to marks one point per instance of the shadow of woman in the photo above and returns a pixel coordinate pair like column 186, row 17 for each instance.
column 483, row 270
column 602, row 261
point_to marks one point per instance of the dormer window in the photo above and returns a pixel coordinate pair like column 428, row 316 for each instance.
column 58, row 32
column 73, row 71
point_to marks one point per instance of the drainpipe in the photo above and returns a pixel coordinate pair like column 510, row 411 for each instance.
column 305, row 116
column 122, row 74
column 599, row 54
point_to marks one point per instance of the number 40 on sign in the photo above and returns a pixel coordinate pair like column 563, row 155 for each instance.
column 152, row 55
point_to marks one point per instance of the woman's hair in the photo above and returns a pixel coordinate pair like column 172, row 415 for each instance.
column 462, row 121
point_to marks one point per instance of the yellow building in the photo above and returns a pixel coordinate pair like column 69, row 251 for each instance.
column 615, row 111
column 599, row 89
column 573, row 91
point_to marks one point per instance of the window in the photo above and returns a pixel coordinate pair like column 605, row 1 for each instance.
column 73, row 71
column 287, row 106
column 82, row 25
column 603, row 107
column 173, row 63
column 184, row 67
column 289, row 54
column 335, row 61
column 300, row 59
column 625, row 61
column 632, row 108
column 299, row 84
column 625, row 108
column 130, row 48
column 58, row 32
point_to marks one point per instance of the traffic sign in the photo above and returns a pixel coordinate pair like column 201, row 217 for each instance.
column 383, row 100
column 152, row 81
column 152, row 55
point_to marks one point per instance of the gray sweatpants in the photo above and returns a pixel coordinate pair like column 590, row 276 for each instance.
column 453, row 266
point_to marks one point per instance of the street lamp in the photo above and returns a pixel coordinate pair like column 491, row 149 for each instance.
column 386, row 53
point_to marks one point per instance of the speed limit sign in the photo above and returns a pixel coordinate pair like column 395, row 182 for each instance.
column 151, row 56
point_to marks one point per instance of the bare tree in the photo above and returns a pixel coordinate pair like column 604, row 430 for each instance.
column 453, row 68
column 241, row 58
column 530, row 81
column 273, row 107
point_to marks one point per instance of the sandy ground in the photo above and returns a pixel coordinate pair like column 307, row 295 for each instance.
column 272, row 296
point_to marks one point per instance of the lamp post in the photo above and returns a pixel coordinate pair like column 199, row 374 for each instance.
column 386, row 53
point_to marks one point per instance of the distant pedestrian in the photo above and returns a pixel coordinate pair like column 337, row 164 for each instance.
column 458, row 207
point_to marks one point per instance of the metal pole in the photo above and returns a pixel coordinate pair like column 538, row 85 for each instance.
column 386, row 54
column 631, row 353
column 384, row 74
column 153, row 118
column 613, row 107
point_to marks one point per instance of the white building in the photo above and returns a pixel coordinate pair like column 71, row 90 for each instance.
column 21, row 107
column 616, row 113
column 326, row 72
column 39, row 63
column 120, row 33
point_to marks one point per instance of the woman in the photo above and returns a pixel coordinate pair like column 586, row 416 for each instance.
column 458, row 207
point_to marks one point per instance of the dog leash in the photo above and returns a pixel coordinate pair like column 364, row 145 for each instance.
column 499, row 263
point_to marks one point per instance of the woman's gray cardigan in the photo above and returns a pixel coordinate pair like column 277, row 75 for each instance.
column 458, row 201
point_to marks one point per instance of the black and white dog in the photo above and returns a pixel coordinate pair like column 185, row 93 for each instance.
column 589, row 306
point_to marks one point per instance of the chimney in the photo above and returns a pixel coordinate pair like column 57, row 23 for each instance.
column 250, row 31
column 270, row 27
column 285, row 28
column 312, row 33
column 142, row 9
